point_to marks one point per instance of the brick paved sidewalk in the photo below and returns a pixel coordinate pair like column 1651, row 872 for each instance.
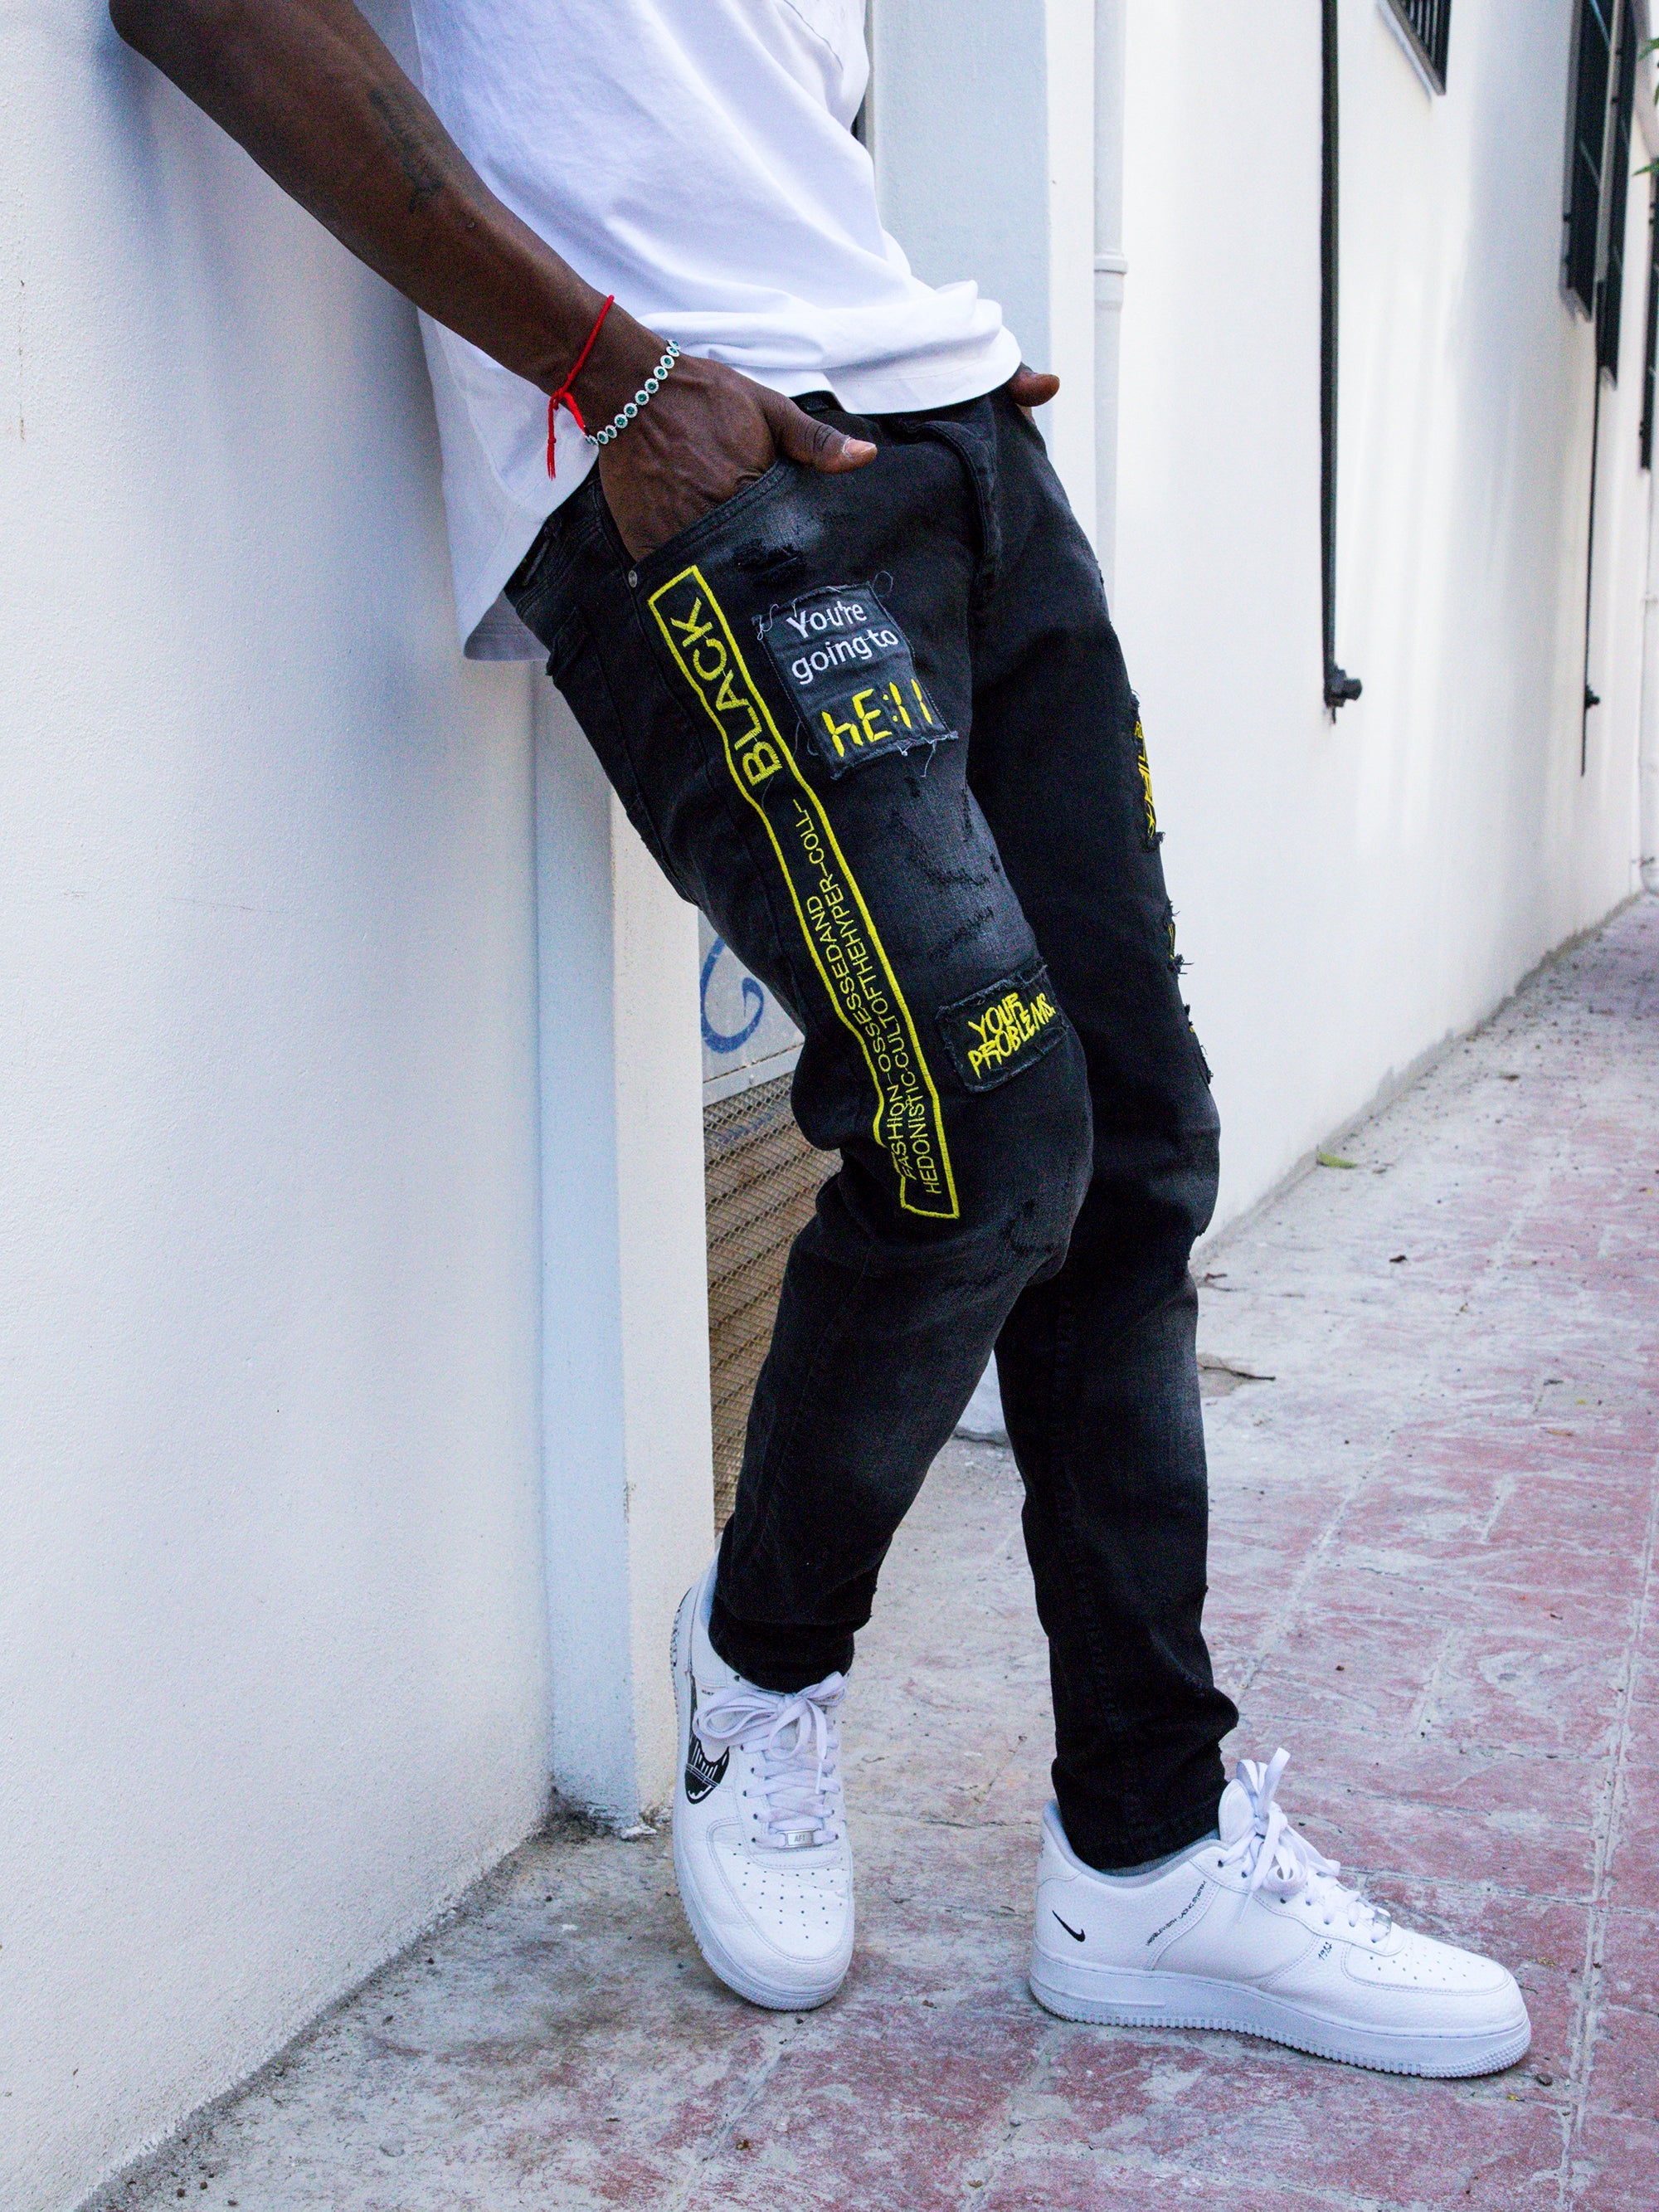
column 1434, row 1539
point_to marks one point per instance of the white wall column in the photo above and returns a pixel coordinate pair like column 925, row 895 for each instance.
column 983, row 135
column 1070, row 427
column 627, row 1458
column 1111, row 268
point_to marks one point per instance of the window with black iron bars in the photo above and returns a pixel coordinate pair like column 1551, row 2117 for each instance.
column 1427, row 24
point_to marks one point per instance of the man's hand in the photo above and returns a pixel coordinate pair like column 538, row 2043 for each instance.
column 1031, row 387
column 707, row 433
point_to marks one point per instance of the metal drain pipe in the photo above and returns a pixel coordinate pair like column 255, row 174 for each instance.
column 1341, row 688
column 1647, row 765
column 1648, row 728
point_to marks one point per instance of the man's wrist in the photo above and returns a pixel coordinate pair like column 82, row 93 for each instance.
column 624, row 354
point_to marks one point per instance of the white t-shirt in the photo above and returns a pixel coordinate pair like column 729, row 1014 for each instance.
column 696, row 158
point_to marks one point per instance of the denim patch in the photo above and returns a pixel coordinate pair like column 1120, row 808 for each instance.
column 851, row 676
column 1002, row 1029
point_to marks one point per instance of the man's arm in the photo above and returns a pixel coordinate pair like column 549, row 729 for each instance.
column 313, row 94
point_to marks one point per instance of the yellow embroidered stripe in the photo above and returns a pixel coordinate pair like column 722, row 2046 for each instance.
column 834, row 919
column 1145, row 767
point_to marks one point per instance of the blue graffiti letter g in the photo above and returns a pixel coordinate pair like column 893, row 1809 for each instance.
column 753, row 997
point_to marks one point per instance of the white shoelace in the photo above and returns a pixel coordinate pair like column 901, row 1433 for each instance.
column 796, row 1749
column 1281, row 1860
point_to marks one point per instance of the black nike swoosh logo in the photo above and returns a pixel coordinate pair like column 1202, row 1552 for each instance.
column 702, row 1774
column 1075, row 1934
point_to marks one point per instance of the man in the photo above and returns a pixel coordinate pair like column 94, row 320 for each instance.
column 791, row 544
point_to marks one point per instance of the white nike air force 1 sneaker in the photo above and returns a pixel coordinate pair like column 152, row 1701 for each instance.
column 1255, row 1933
column 761, row 1852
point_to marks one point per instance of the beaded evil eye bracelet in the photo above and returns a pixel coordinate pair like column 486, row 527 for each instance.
column 564, row 396
column 647, row 393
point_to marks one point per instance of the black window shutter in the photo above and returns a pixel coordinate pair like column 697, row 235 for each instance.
column 1591, row 75
column 1618, row 186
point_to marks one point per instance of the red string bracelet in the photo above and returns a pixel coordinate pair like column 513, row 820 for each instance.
column 564, row 396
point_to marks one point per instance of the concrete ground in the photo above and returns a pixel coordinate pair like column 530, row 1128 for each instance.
column 1433, row 1429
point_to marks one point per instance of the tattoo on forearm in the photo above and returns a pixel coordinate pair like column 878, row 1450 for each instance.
column 405, row 134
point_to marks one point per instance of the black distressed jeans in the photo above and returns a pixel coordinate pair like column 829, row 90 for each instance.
column 877, row 727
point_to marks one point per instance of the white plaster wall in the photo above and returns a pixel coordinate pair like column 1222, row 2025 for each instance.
column 273, row 1671
column 1351, row 894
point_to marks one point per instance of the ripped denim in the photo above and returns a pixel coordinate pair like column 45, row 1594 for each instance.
column 877, row 727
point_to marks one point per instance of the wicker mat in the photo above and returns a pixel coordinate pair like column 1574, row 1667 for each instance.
column 762, row 1177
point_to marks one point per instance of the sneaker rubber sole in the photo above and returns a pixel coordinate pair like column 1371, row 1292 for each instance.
column 1128, row 1997
column 771, row 1995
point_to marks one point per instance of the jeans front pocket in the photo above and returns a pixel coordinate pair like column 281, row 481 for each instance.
column 718, row 518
